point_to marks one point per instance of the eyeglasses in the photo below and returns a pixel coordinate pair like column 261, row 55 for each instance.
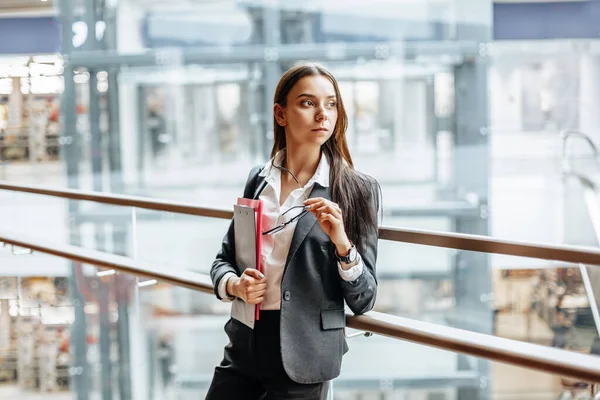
column 280, row 227
column 295, row 218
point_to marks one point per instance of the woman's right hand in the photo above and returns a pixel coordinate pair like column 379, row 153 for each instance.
column 250, row 287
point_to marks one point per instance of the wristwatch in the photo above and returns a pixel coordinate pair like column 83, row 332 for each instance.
column 348, row 258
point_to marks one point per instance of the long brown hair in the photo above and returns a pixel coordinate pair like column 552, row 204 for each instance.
column 353, row 191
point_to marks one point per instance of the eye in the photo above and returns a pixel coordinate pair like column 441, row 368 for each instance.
column 307, row 103
column 332, row 104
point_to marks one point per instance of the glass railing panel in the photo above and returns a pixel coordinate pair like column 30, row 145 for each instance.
column 87, row 224
column 182, row 332
column 380, row 367
column 51, row 173
column 415, row 281
column 560, row 314
column 32, row 214
column 545, row 303
column 110, row 305
column 180, row 241
column 64, row 328
column 526, row 299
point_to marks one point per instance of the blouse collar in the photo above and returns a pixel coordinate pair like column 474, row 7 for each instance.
column 273, row 174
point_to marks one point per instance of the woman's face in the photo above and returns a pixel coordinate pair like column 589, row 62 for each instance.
column 311, row 112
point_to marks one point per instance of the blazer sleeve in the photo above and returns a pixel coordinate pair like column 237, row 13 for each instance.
column 360, row 294
column 225, row 260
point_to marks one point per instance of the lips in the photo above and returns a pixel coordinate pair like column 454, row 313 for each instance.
column 320, row 130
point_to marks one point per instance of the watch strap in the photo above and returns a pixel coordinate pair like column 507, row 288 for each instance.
column 350, row 257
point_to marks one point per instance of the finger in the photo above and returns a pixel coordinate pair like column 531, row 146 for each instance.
column 321, row 210
column 250, row 282
column 318, row 209
column 337, row 213
column 326, row 208
column 315, row 204
column 254, row 273
column 256, row 301
column 335, row 206
column 333, row 220
column 259, row 293
column 330, row 210
column 256, row 295
column 257, row 288
column 313, row 200
column 253, row 290
column 325, row 217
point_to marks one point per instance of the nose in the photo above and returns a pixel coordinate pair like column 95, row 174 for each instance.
column 321, row 113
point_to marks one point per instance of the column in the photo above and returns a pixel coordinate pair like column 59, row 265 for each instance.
column 15, row 104
column 5, row 325
column 589, row 95
column 472, row 271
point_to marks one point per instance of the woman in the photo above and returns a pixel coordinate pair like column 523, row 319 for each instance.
column 319, row 250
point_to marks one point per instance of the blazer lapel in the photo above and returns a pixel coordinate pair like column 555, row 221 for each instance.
column 260, row 185
column 306, row 223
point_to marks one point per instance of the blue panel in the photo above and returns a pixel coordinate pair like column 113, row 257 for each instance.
column 29, row 35
column 568, row 20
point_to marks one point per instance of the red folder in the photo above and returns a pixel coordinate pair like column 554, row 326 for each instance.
column 257, row 205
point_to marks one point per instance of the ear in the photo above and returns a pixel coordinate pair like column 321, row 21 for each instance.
column 279, row 113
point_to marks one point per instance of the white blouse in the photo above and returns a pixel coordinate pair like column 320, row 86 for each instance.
column 275, row 247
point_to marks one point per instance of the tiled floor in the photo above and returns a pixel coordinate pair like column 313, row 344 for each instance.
column 13, row 392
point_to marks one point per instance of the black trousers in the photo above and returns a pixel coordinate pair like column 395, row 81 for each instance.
column 254, row 370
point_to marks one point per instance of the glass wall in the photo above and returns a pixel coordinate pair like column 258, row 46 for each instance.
column 175, row 101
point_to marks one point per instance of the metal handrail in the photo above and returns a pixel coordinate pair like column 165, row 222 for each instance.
column 485, row 244
column 542, row 358
column 550, row 360
column 565, row 136
column 459, row 241
column 119, row 200
column 183, row 278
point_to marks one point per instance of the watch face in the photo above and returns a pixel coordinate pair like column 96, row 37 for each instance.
column 352, row 255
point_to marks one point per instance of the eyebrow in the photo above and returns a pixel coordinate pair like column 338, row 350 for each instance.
column 312, row 95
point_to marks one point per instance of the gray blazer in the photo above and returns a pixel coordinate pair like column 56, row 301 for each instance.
column 312, row 294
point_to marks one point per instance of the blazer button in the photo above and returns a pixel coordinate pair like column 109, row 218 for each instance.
column 287, row 295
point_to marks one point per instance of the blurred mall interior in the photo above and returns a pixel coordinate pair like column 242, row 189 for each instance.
column 459, row 108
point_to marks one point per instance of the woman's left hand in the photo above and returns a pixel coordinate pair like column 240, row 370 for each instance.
column 330, row 219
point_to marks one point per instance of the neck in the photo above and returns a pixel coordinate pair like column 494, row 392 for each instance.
column 302, row 161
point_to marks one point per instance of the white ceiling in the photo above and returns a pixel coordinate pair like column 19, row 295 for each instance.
column 24, row 7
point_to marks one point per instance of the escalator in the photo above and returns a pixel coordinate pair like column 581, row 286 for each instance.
column 591, row 195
